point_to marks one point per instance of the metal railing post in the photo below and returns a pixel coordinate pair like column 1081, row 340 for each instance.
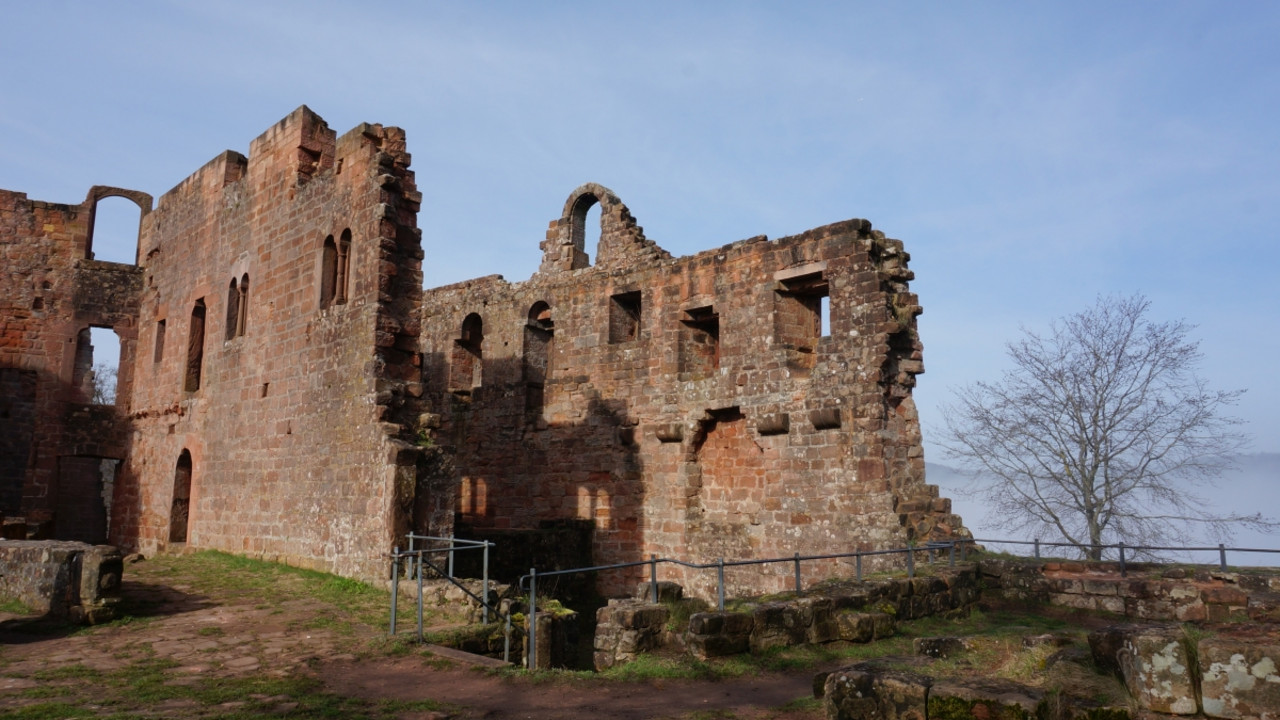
column 1222, row 557
column 797, row 573
column 720, row 584
column 653, row 578
column 532, row 660
column 395, row 586
column 451, row 545
column 484, row 587
column 911, row 563
column 1123, row 570
column 857, row 561
column 951, row 555
column 419, row 597
column 506, row 638
column 1037, row 548
column 964, row 551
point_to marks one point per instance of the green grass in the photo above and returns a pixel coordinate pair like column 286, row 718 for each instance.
column 15, row 607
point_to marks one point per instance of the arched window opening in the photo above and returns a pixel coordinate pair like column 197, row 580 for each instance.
column 158, row 354
column 97, row 363
column 237, row 307
column 335, row 268
column 180, row 509
column 539, row 338
column 113, row 232
column 328, row 272
column 344, row 265
column 233, row 308
column 195, row 348
column 468, row 353
column 586, row 214
column 242, row 318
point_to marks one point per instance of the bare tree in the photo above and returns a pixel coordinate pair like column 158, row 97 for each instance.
column 103, row 379
column 1101, row 433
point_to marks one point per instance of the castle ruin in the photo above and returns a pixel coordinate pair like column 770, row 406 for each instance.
column 287, row 389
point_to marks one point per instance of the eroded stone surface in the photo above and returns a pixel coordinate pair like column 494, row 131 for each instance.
column 1240, row 677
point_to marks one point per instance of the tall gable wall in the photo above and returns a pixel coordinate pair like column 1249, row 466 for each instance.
column 292, row 434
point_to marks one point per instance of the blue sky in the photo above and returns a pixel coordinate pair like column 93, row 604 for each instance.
column 1031, row 155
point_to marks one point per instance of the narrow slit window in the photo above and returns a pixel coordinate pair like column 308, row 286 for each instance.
column 159, row 350
column 328, row 272
column 233, row 308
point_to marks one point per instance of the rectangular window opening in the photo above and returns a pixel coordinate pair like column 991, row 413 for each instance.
column 802, row 316
column 624, row 317
column 159, row 351
column 699, row 352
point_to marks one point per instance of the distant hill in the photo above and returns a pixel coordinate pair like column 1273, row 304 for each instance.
column 1254, row 486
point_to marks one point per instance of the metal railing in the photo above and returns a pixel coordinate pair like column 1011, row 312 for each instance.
column 719, row 566
column 1121, row 555
column 416, row 555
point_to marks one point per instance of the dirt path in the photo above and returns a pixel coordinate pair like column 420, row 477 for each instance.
column 204, row 641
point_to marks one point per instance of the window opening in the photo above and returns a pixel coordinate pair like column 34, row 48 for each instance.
column 586, row 213
column 700, row 342
column 824, row 313
column 159, row 351
column 468, row 353
column 114, row 235
column 328, row 272
column 344, row 263
column 799, row 316
column 180, row 509
column 93, row 377
column 539, row 338
column 195, row 347
column 624, row 317
column 233, row 308
column 242, row 318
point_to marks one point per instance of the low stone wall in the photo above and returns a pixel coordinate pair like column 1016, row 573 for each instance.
column 1147, row 592
column 71, row 580
column 844, row 610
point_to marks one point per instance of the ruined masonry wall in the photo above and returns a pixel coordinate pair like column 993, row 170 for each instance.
column 52, row 441
column 294, row 435
column 689, row 407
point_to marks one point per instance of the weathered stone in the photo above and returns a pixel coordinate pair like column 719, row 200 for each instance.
column 1240, row 677
column 858, row 693
column 69, row 580
column 941, row 647
column 983, row 698
column 1152, row 662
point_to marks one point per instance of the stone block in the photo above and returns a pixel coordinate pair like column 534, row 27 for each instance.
column 1240, row 677
column 1152, row 661
column 941, row 647
column 860, row 692
column 982, row 698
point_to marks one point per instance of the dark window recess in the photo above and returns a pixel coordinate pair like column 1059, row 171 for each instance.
column 539, row 340
column 624, row 317
column 195, row 348
column 159, row 351
column 798, row 321
column 699, row 353
column 180, row 509
column 468, row 353
column 233, row 308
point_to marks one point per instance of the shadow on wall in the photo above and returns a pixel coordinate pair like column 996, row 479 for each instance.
column 546, row 468
column 65, row 495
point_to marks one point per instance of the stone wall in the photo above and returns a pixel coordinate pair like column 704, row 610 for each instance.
column 287, row 390
column 52, row 291
column 70, row 580
column 275, row 405
column 695, row 407
column 1146, row 592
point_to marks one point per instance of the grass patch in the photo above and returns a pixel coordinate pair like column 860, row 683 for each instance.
column 211, row 631
column 48, row 711
column 15, row 607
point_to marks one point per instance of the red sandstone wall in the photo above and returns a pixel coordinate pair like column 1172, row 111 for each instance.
column 51, row 441
column 771, row 440
column 296, row 431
